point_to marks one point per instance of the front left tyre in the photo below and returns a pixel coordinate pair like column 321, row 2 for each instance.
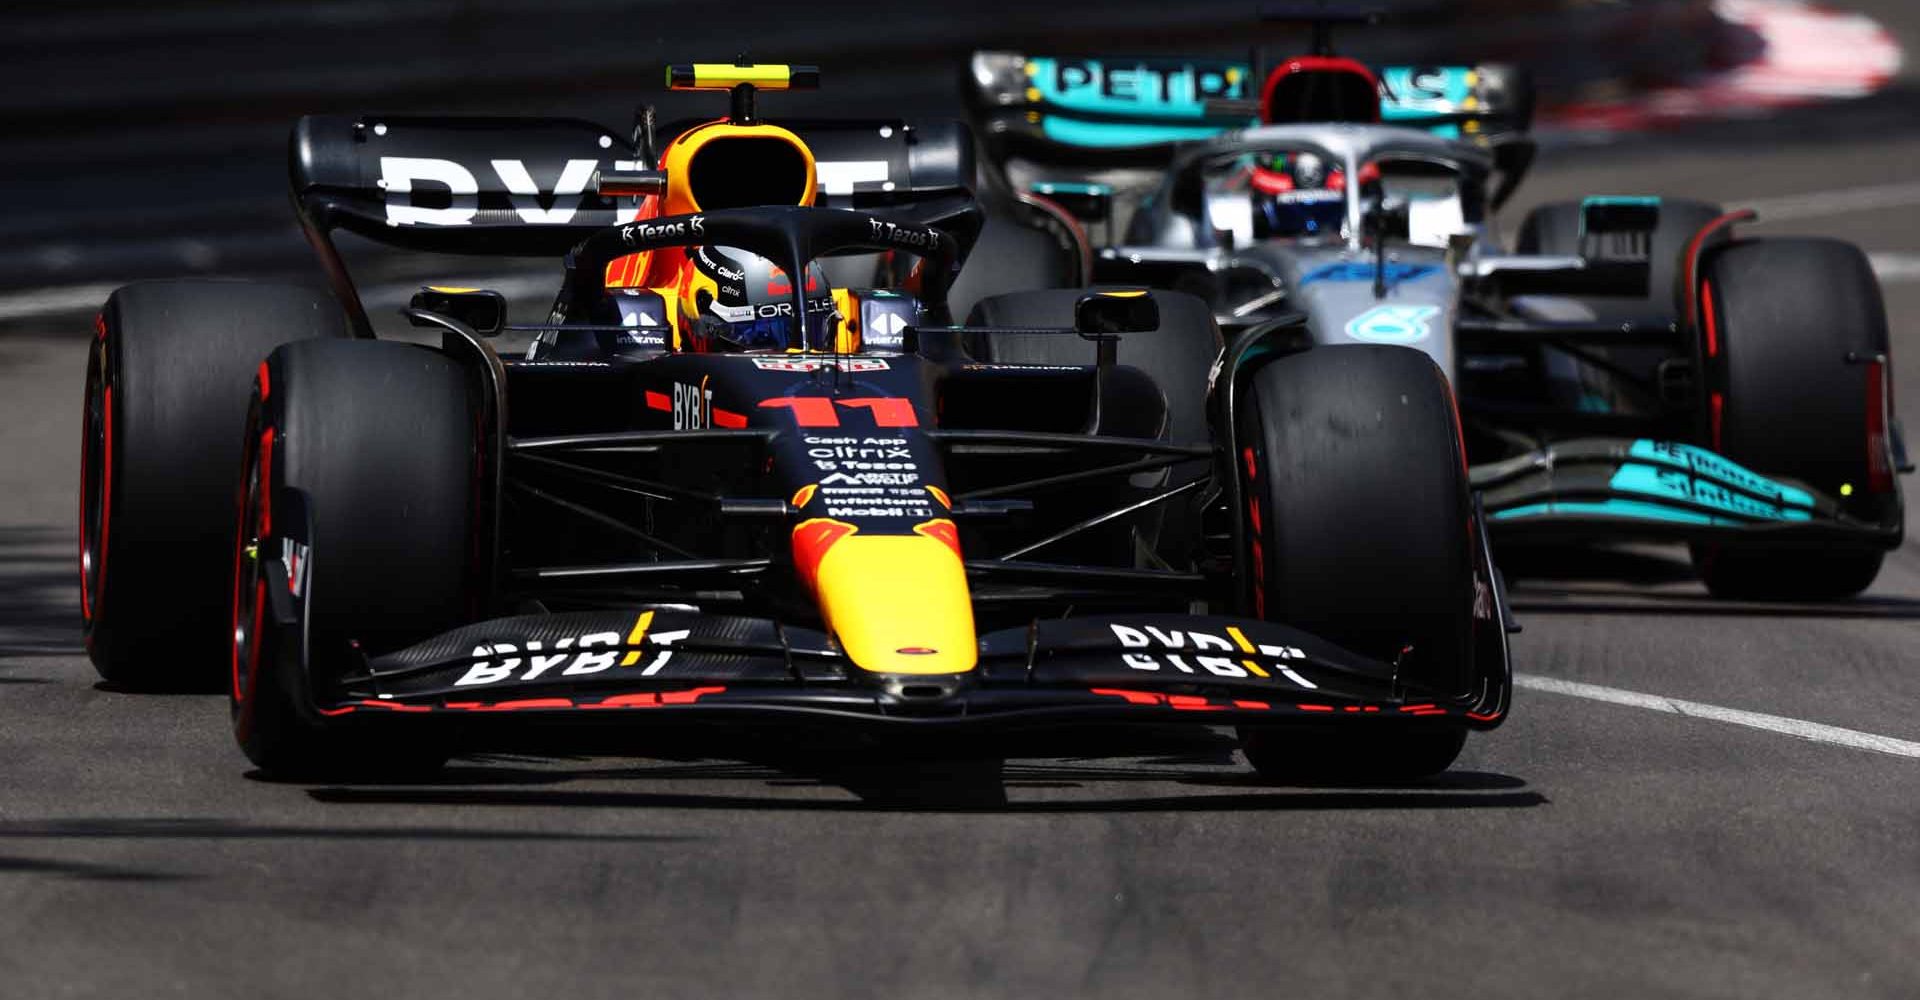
column 167, row 386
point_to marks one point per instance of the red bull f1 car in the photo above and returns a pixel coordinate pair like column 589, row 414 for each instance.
column 718, row 490
column 1628, row 370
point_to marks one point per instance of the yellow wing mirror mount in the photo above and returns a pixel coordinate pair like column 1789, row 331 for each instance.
column 742, row 80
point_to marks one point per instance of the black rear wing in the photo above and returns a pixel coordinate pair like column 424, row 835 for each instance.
column 525, row 186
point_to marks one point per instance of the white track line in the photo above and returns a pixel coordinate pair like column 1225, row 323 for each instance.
column 1817, row 204
column 1798, row 728
column 1891, row 267
column 54, row 302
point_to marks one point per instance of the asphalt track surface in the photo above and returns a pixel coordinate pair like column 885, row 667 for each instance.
column 1585, row 849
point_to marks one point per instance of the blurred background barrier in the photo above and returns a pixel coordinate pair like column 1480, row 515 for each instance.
column 148, row 139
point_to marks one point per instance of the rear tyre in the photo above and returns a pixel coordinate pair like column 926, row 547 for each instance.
column 1178, row 355
column 166, row 398
column 1359, row 532
column 1554, row 228
column 1786, row 314
column 360, row 467
column 1010, row 256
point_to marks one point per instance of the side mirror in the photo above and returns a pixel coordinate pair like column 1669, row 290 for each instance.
column 1385, row 221
column 1101, row 317
column 1388, row 220
column 483, row 309
column 1102, row 314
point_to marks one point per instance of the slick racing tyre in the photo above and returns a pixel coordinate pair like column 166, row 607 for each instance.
column 1794, row 326
column 1554, row 228
column 166, row 398
column 1359, row 532
column 357, row 503
column 1178, row 355
column 1011, row 256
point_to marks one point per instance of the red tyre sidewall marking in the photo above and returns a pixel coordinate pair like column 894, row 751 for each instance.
column 91, row 595
column 248, row 472
column 263, row 475
column 1254, row 548
column 86, row 492
column 1716, row 399
column 106, row 492
column 1879, row 469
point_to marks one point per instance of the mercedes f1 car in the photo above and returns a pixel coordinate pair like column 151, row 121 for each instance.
column 716, row 489
column 1628, row 370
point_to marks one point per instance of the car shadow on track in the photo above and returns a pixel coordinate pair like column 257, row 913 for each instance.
column 86, row 833
column 192, row 828
column 1060, row 772
column 1653, row 580
column 87, row 871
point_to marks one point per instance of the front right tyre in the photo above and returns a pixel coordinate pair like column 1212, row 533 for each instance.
column 1359, row 527
column 1796, row 356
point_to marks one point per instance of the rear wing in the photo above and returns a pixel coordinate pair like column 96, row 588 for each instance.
column 457, row 185
column 1487, row 102
column 1064, row 108
column 526, row 186
column 1053, row 107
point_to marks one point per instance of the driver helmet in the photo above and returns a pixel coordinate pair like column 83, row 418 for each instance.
column 1298, row 194
column 732, row 301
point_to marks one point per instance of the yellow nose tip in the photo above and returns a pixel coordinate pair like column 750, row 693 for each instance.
column 899, row 604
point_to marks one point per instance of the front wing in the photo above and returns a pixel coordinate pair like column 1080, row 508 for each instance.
column 1600, row 488
column 605, row 665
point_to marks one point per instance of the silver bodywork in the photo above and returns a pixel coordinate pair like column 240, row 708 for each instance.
column 1330, row 279
column 1583, row 446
